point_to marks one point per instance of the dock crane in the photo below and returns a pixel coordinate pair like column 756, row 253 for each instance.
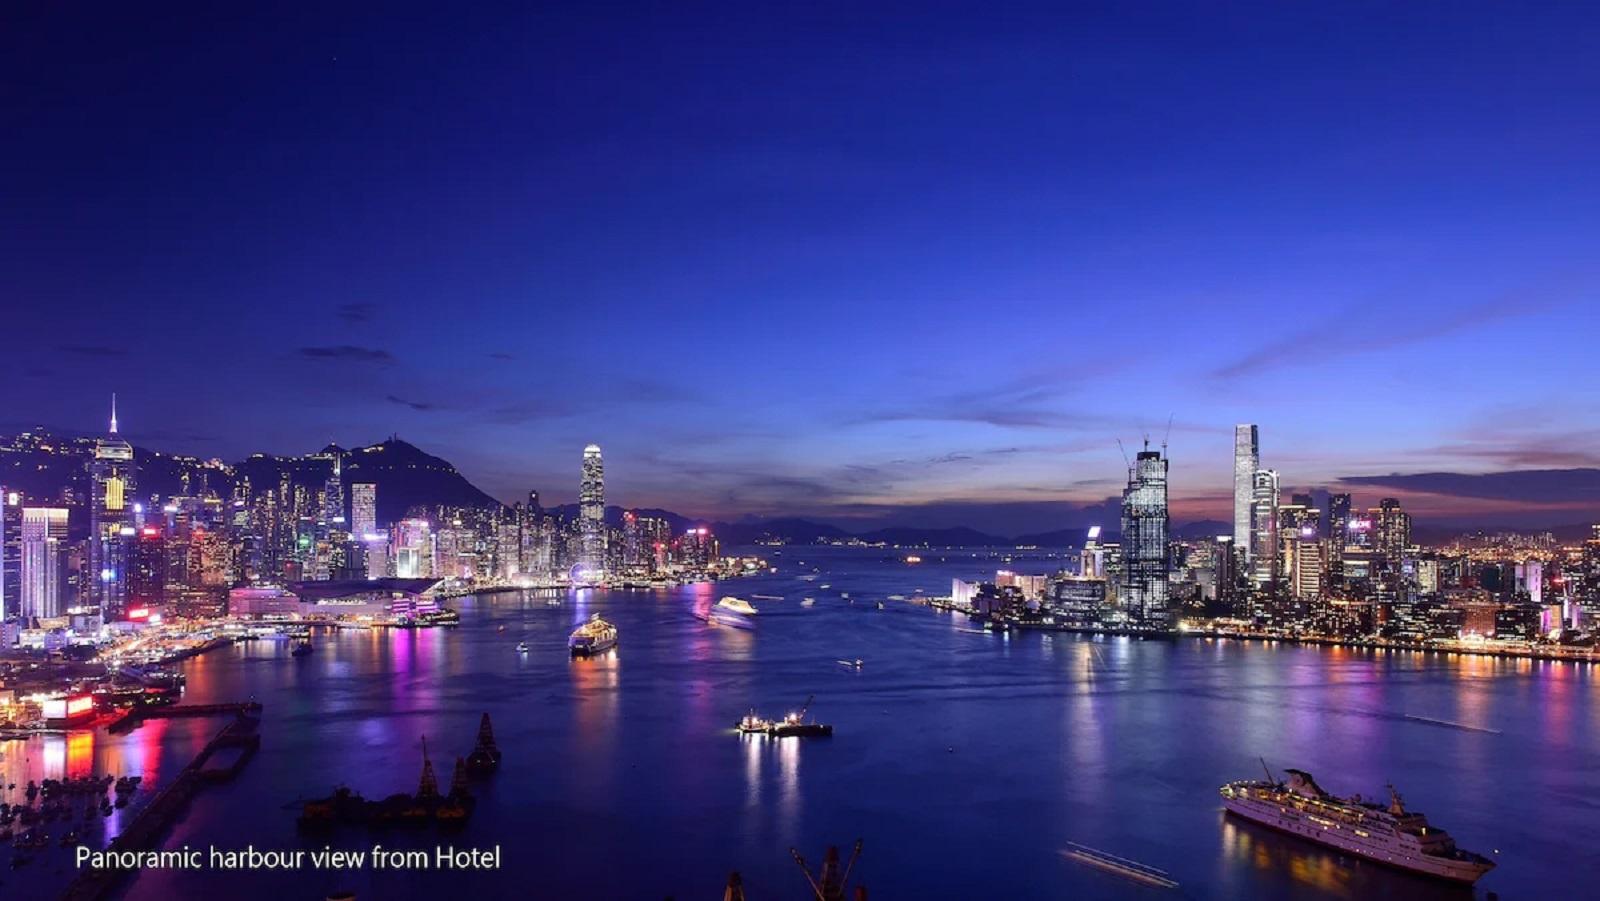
column 830, row 884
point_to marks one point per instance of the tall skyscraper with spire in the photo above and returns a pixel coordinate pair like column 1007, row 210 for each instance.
column 1246, row 460
column 111, row 525
column 1144, row 591
column 592, row 516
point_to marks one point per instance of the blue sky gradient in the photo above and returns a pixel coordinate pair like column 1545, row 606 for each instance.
column 919, row 264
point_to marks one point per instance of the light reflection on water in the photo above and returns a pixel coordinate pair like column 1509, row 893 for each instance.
column 952, row 750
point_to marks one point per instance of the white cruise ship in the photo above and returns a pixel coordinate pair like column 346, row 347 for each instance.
column 1388, row 834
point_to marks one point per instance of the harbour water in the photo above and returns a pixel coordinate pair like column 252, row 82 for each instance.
column 967, row 762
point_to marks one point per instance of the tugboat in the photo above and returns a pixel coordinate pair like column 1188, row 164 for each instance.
column 793, row 724
column 485, row 756
column 592, row 637
column 1389, row 835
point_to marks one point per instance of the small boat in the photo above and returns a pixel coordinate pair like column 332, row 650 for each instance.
column 808, row 602
column 880, row 605
column 766, row 597
column 825, row 586
column 302, row 649
column 853, row 664
column 552, row 602
column 592, row 637
column 731, row 611
column 522, row 647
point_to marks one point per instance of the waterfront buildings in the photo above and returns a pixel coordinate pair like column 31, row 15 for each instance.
column 1144, row 591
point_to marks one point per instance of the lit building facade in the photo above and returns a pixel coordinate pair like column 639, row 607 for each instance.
column 44, row 558
column 111, row 522
column 1145, row 588
column 1246, row 460
column 592, row 516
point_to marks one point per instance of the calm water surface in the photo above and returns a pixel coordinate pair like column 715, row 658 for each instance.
column 965, row 761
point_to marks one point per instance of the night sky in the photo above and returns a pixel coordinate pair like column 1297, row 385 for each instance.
column 917, row 266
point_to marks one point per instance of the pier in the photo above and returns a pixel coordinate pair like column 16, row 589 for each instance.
column 136, row 715
column 172, row 801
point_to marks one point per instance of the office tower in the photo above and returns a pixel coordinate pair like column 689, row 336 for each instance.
column 1092, row 559
column 1301, row 556
column 1310, row 515
column 413, row 549
column 1393, row 526
column 333, row 518
column 44, row 559
column 1246, row 460
column 592, row 516
column 363, row 510
column 1337, row 534
column 111, row 525
column 1144, row 541
column 10, row 553
column 1263, row 528
column 147, row 569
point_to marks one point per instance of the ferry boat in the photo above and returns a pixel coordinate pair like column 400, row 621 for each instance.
column 1386, row 834
column 592, row 637
column 736, row 605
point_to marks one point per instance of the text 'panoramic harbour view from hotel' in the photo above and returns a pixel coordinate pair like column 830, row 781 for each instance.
column 836, row 452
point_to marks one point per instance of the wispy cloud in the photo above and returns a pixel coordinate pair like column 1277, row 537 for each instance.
column 1564, row 487
column 419, row 406
column 357, row 312
column 1372, row 326
column 348, row 353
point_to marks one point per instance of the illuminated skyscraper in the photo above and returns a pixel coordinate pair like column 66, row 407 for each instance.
column 10, row 553
column 363, row 510
column 111, row 525
column 333, row 493
column 592, row 516
column 1144, row 541
column 1264, row 528
column 1393, row 527
column 44, row 558
column 1246, row 460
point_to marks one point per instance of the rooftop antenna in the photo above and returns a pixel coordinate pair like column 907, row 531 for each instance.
column 113, row 412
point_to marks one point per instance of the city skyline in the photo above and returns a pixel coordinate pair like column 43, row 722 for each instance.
column 855, row 280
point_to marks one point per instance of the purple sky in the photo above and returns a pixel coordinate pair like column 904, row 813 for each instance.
column 919, row 265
